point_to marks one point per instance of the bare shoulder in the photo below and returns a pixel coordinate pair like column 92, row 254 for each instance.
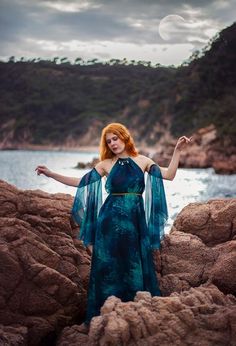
column 100, row 167
column 103, row 167
column 142, row 158
column 144, row 162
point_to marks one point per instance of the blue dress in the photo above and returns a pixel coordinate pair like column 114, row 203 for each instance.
column 123, row 231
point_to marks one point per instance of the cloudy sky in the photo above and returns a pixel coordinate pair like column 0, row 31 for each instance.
column 160, row 31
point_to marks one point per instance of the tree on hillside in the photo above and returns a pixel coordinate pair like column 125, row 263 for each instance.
column 11, row 59
column 64, row 60
column 79, row 61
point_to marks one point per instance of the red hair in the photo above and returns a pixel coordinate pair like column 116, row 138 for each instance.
column 123, row 133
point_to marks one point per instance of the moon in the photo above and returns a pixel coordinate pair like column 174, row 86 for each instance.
column 171, row 26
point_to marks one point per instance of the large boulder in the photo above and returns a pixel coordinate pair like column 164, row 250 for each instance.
column 44, row 269
column 201, row 247
column 214, row 222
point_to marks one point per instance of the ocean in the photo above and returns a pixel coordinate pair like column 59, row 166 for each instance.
column 17, row 167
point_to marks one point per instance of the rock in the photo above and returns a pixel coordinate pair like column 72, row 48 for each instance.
column 184, row 259
column 44, row 277
column 73, row 336
column 206, row 150
column 201, row 247
column 13, row 336
column 196, row 269
column 44, row 269
column 200, row 316
column 213, row 222
column 223, row 273
column 225, row 165
column 84, row 165
column 187, row 262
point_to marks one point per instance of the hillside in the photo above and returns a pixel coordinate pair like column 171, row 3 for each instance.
column 62, row 104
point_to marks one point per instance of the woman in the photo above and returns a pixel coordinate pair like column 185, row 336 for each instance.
column 122, row 230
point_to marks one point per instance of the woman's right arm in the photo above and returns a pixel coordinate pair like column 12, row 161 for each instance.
column 71, row 181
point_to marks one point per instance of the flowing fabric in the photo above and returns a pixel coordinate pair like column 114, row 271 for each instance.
column 155, row 206
column 86, row 206
column 122, row 235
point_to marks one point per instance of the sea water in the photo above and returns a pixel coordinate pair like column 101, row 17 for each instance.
column 17, row 167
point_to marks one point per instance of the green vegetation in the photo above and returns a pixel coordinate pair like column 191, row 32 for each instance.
column 44, row 102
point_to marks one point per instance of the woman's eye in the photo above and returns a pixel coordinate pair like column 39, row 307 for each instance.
column 108, row 141
column 115, row 138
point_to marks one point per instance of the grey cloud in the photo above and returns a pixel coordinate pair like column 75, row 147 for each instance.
column 102, row 55
column 133, row 21
column 46, row 23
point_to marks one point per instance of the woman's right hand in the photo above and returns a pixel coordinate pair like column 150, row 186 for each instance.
column 43, row 170
column 70, row 181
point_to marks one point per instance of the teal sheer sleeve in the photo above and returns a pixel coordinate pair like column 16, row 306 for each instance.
column 156, row 212
column 86, row 206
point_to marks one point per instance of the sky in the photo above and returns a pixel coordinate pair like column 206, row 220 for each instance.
column 164, row 32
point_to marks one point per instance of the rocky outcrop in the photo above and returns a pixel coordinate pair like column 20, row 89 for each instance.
column 213, row 222
column 201, row 247
column 84, row 165
column 187, row 262
column 44, row 277
column 200, row 316
column 206, row 150
column 44, row 268
column 197, row 274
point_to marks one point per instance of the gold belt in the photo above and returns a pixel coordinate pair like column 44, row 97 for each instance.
column 127, row 193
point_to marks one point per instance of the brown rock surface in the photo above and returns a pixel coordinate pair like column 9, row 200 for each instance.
column 72, row 336
column 213, row 222
column 91, row 164
column 197, row 274
column 201, row 247
column 44, row 268
column 206, row 150
column 200, row 316
column 13, row 336
column 187, row 262
column 44, row 275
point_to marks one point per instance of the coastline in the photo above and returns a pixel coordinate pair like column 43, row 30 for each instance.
column 196, row 157
column 82, row 148
column 32, row 147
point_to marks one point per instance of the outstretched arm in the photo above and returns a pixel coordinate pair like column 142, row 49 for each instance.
column 71, row 181
column 170, row 171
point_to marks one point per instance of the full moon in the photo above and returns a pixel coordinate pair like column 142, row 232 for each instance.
column 170, row 26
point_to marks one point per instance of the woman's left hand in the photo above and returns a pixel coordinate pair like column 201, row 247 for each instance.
column 182, row 143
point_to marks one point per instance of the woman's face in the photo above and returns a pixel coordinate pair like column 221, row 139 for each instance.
column 115, row 144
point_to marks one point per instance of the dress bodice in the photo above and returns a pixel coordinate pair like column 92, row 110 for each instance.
column 125, row 177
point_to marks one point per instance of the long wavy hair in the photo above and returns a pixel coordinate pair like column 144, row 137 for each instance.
column 123, row 133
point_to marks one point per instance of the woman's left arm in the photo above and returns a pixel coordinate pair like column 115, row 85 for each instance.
column 170, row 171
